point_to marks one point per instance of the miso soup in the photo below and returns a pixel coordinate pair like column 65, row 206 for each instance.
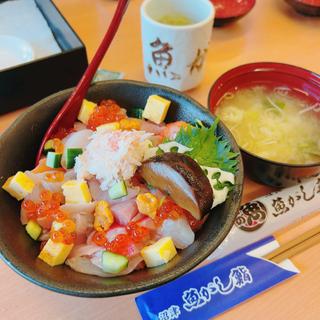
column 273, row 124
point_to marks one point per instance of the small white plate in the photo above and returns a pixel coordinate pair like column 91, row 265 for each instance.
column 14, row 51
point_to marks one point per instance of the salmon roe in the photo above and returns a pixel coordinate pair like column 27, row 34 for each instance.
column 107, row 111
column 57, row 236
column 32, row 215
column 70, row 238
column 66, row 234
column 62, row 236
column 138, row 233
column 69, row 225
column 57, row 197
column 62, row 133
column 124, row 243
column 193, row 222
column 60, row 216
column 46, row 209
column 99, row 238
column 29, row 205
column 45, row 195
column 120, row 245
column 168, row 210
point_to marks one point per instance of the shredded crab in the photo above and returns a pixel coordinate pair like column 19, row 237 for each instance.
column 112, row 156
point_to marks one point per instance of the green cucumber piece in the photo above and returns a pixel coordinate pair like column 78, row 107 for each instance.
column 54, row 159
column 118, row 190
column 33, row 229
column 136, row 113
column 71, row 155
column 48, row 146
column 113, row 263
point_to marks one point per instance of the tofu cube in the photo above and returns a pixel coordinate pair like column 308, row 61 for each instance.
column 86, row 110
column 159, row 253
column 55, row 253
column 156, row 109
column 19, row 185
column 76, row 191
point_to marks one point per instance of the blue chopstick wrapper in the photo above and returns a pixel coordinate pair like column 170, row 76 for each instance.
column 214, row 288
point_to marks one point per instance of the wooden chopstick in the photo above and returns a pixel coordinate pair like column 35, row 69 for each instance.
column 295, row 246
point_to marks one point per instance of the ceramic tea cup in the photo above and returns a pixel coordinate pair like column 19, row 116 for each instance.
column 175, row 38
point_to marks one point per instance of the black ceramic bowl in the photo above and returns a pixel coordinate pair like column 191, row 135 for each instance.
column 306, row 7
column 18, row 147
column 302, row 83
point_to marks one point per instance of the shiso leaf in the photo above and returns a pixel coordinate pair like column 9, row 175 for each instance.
column 207, row 148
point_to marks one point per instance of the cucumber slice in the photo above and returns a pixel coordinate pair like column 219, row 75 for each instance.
column 118, row 190
column 71, row 155
column 48, row 146
column 113, row 263
column 136, row 113
column 33, row 229
column 54, row 159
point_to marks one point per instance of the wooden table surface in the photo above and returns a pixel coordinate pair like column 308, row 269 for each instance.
column 271, row 32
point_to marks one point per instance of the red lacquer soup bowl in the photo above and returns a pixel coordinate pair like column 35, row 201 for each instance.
column 301, row 83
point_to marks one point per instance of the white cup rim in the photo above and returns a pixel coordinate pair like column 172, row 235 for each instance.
column 201, row 23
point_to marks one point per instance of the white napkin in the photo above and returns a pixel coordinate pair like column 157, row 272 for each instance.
column 263, row 216
column 23, row 19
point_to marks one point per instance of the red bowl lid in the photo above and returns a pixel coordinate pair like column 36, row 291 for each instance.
column 232, row 8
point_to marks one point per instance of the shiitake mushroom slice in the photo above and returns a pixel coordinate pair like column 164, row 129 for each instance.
column 182, row 178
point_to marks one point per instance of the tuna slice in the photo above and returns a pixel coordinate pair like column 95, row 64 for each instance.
column 70, row 175
column 84, row 225
column 151, row 127
column 115, row 231
column 45, row 222
column 98, row 194
column 82, row 250
column 74, row 208
column 82, row 215
column 40, row 179
column 78, row 139
column 182, row 178
column 180, row 232
column 86, row 265
column 123, row 212
column 144, row 221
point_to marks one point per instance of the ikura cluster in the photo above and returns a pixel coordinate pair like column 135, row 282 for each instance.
column 46, row 209
column 106, row 112
column 120, row 190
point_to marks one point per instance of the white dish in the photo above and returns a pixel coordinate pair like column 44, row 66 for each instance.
column 14, row 51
